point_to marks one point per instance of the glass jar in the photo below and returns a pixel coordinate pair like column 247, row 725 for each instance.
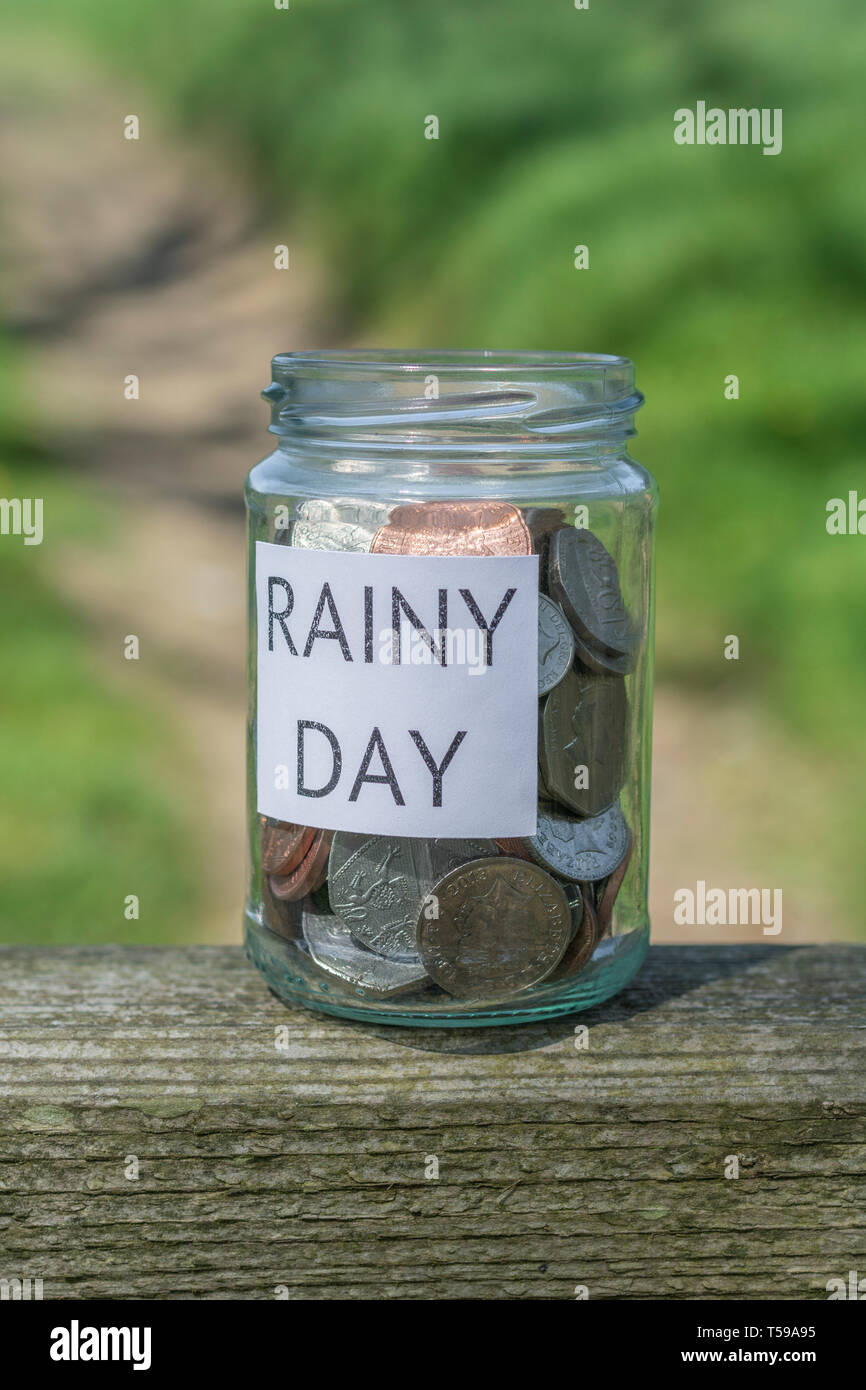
column 451, row 623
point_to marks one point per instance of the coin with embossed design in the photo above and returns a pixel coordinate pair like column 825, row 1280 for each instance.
column 579, row 849
column 335, row 950
column 336, row 524
column 315, row 535
column 555, row 645
column 454, row 528
column 584, row 580
column 583, row 742
column 377, row 885
column 501, row 926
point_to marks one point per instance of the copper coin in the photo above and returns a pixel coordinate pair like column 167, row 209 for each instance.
column 309, row 875
column 454, row 528
column 515, row 849
column 281, row 917
column 608, row 890
column 283, row 845
column 587, row 935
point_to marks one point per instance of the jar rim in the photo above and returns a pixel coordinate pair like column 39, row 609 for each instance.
column 456, row 359
column 428, row 403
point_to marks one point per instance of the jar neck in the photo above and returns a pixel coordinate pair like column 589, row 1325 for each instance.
column 452, row 410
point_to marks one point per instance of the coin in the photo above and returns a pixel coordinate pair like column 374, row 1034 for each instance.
column 281, row 917
column 315, row 535
column 575, row 896
column 586, row 934
column 583, row 579
column 364, row 512
column 602, row 663
column 542, row 522
column 377, row 885
column 555, row 645
column 336, row 524
column 515, row 849
column 308, row 875
column 579, row 849
column 454, row 528
column 502, row 926
column 608, row 890
column 334, row 949
column 283, row 844
column 584, row 739
column 544, row 792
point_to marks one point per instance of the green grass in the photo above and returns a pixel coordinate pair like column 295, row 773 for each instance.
column 90, row 811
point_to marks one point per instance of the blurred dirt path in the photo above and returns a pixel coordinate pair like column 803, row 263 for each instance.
column 149, row 258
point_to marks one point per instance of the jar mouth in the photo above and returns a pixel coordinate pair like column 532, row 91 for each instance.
column 447, row 360
column 451, row 401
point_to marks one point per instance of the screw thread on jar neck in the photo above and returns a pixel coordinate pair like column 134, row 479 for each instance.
column 461, row 406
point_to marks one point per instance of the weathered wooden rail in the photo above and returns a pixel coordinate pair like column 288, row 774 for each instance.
column 157, row 1142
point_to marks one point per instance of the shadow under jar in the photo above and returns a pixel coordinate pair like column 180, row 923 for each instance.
column 451, row 624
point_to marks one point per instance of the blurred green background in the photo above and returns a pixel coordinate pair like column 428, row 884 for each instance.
column 306, row 126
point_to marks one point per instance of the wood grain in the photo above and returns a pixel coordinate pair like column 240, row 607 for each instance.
column 302, row 1167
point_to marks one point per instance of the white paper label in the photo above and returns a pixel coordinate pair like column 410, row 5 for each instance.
column 398, row 694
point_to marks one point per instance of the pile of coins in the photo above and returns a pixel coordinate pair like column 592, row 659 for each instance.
column 479, row 919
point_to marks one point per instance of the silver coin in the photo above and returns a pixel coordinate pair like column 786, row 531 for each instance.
column 502, row 925
column 555, row 645
column 584, row 725
column 377, row 885
column 583, row 579
column 331, row 535
column 579, row 849
column 343, row 509
column 334, row 949
column 602, row 663
column 337, row 523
